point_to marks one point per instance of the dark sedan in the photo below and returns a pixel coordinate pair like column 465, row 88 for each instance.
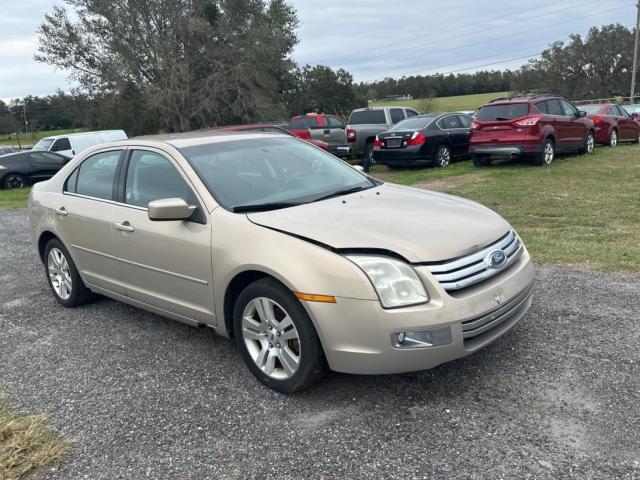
column 19, row 169
column 430, row 139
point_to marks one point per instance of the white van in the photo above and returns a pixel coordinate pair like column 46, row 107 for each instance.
column 72, row 144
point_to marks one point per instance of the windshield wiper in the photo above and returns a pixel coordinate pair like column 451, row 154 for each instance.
column 345, row 191
column 262, row 207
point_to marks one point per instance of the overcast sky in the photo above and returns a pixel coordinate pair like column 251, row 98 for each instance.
column 370, row 38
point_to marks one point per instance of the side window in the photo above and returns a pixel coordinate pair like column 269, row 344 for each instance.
column 451, row 121
column 96, row 175
column 568, row 110
column 620, row 112
column 298, row 123
column 554, row 108
column 60, row 145
column 312, row 121
column 151, row 176
column 411, row 113
column 542, row 107
column 465, row 120
column 70, row 184
column 396, row 115
column 333, row 122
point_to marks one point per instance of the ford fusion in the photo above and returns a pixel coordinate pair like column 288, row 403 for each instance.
column 305, row 262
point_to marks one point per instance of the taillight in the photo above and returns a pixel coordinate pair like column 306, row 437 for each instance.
column 351, row 135
column 475, row 125
column 417, row 139
column 305, row 134
column 527, row 121
column 378, row 143
column 597, row 120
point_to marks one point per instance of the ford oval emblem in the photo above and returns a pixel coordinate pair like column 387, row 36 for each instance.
column 496, row 259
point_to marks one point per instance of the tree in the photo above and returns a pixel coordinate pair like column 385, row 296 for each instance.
column 598, row 66
column 321, row 89
column 182, row 64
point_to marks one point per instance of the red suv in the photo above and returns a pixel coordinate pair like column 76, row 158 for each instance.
column 537, row 126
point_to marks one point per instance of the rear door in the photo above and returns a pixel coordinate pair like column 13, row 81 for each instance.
column 628, row 127
column 83, row 218
column 560, row 123
column 576, row 128
column 456, row 134
column 163, row 264
column 45, row 164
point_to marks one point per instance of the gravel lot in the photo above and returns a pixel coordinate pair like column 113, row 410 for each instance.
column 146, row 397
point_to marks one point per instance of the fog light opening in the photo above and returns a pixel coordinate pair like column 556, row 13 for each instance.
column 433, row 337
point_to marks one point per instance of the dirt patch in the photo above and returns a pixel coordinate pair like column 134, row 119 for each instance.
column 448, row 183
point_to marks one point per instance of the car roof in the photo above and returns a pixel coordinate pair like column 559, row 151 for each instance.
column 379, row 108
column 198, row 137
column 524, row 99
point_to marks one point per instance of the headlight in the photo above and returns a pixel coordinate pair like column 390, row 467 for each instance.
column 2, row 168
column 396, row 283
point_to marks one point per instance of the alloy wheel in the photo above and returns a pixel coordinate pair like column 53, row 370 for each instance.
column 59, row 273
column 548, row 153
column 590, row 143
column 15, row 181
column 271, row 338
column 613, row 141
column 444, row 156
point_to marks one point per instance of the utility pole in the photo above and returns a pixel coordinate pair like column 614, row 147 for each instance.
column 635, row 56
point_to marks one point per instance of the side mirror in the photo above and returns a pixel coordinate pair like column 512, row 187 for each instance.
column 359, row 168
column 634, row 115
column 582, row 113
column 167, row 209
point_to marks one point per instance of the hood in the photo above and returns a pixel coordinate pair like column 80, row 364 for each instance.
column 419, row 225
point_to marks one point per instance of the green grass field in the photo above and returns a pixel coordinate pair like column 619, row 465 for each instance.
column 581, row 210
column 445, row 104
column 31, row 139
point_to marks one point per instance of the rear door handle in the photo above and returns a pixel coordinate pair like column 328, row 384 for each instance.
column 124, row 227
column 61, row 211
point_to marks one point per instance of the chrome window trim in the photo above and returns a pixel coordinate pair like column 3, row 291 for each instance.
column 104, row 200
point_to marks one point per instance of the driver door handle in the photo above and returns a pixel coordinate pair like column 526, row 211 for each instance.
column 124, row 227
column 61, row 211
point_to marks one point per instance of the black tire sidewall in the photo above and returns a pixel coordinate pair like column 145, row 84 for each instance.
column 312, row 361
column 79, row 292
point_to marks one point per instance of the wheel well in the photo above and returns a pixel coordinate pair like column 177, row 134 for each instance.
column 239, row 283
column 552, row 138
column 42, row 243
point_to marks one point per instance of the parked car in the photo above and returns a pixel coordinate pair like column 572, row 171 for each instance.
column 5, row 150
column 365, row 123
column 537, row 126
column 20, row 169
column 613, row 124
column 431, row 139
column 269, row 128
column 74, row 143
column 302, row 259
column 320, row 126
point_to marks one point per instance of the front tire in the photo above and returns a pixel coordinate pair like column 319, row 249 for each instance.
column 276, row 338
column 14, row 180
column 443, row 156
column 63, row 277
column 547, row 155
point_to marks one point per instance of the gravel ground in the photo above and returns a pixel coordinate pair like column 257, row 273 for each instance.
column 146, row 397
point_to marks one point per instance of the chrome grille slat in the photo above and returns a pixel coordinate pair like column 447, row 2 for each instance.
column 471, row 269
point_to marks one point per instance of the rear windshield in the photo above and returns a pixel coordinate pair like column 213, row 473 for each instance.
column 363, row 117
column 302, row 123
column 590, row 108
column 503, row 112
column 412, row 124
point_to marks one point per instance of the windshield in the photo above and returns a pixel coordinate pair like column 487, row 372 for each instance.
column 272, row 172
column 502, row 112
column 590, row 108
column 415, row 123
column 43, row 144
column 363, row 117
column 632, row 108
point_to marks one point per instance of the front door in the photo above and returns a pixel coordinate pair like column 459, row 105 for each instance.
column 165, row 264
column 83, row 217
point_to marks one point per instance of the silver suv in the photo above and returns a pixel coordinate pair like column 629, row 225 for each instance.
column 304, row 261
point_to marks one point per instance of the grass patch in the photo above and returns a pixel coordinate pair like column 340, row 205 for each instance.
column 445, row 104
column 14, row 199
column 27, row 442
column 581, row 210
column 32, row 138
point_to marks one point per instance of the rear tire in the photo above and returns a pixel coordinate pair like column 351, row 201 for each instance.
column 14, row 180
column 443, row 156
column 63, row 277
column 547, row 155
column 613, row 139
column 286, row 338
column 480, row 162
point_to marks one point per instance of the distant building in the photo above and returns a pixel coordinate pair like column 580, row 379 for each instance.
column 397, row 98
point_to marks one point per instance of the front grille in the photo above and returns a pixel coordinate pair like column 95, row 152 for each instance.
column 474, row 268
column 477, row 326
